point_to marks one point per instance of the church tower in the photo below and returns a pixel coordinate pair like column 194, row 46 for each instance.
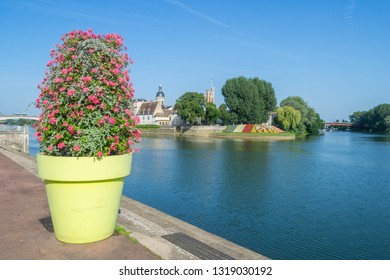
column 210, row 93
column 160, row 96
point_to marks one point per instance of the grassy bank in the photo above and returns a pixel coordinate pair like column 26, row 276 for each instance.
column 146, row 126
column 259, row 135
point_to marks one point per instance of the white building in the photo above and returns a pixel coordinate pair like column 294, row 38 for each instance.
column 155, row 112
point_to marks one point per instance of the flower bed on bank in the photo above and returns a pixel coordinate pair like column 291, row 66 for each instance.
column 254, row 128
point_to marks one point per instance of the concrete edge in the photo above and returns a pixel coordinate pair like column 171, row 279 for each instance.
column 148, row 224
column 145, row 220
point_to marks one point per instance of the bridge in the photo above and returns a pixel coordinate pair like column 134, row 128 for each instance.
column 341, row 124
column 19, row 116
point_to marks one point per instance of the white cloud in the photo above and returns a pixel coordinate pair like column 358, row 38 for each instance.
column 201, row 15
column 350, row 9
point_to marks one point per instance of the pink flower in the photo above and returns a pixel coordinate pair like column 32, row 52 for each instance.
column 86, row 79
column 70, row 92
column 104, row 86
column 71, row 129
column 58, row 80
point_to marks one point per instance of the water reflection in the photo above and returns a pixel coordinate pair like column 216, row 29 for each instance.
column 325, row 197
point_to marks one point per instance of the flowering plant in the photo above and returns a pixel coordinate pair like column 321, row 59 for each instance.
column 86, row 98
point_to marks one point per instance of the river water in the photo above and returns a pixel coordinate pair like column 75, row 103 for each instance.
column 323, row 197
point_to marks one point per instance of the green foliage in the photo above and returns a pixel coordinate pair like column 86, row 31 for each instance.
column 289, row 118
column 20, row 122
column 147, row 126
column 212, row 113
column 191, row 106
column 122, row 230
column 267, row 93
column 310, row 120
column 224, row 114
column 249, row 100
column 376, row 119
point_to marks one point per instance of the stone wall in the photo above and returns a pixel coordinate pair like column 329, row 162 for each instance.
column 16, row 138
column 204, row 131
column 201, row 131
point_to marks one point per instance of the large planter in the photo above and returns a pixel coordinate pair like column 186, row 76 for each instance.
column 84, row 194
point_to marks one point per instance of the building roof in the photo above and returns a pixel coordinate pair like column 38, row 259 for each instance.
column 162, row 115
column 147, row 108
column 160, row 93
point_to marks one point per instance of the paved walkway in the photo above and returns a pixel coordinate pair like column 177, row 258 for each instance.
column 23, row 209
column 23, row 204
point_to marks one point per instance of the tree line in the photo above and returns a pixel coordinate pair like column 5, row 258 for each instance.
column 249, row 101
column 376, row 119
column 19, row 122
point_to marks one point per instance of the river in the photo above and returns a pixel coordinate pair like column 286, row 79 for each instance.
column 323, row 197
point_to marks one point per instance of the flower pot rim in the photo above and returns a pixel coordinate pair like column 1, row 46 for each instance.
column 58, row 168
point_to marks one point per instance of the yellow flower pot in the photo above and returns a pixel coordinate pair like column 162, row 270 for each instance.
column 84, row 194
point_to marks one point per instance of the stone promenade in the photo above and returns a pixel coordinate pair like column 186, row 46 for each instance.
column 25, row 232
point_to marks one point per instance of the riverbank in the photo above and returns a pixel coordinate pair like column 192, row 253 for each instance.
column 212, row 132
column 254, row 136
column 26, row 232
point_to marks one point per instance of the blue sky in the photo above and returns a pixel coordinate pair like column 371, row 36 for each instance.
column 333, row 53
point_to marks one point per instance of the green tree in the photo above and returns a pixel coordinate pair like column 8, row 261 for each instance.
column 359, row 117
column 380, row 116
column 267, row 93
column 376, row 119
column 225, row 115
column 248, row 100
column 310, row 120
column 212, row 113
column 289, row 118
column 190, row 106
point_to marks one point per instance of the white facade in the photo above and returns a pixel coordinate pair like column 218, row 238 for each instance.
column 154, row 112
